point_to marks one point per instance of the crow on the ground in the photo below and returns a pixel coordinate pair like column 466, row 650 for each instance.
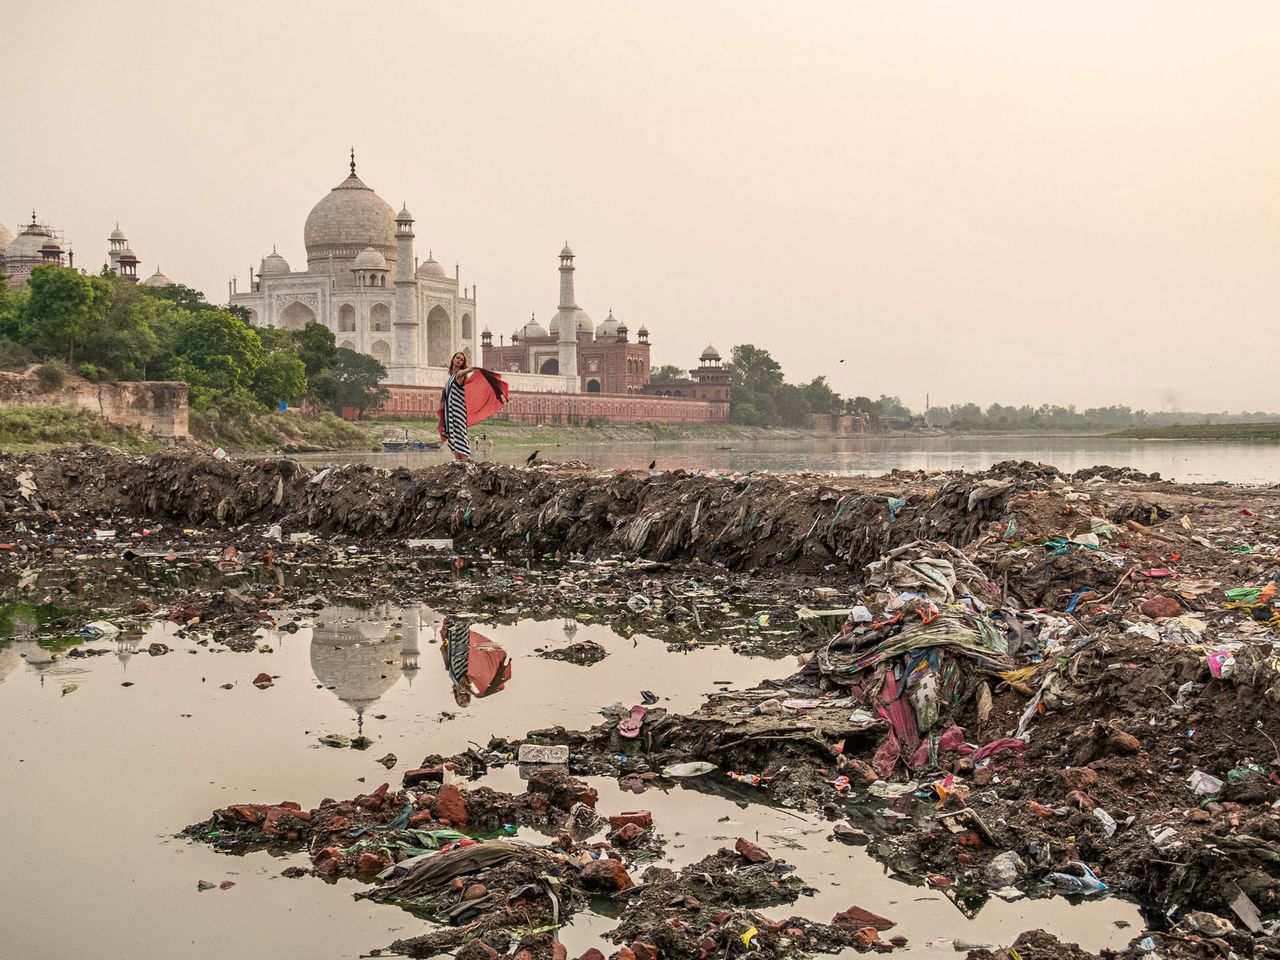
column 653, row 464
column 532, row 457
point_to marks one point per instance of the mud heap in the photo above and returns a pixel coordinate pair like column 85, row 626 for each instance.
column 743, row 522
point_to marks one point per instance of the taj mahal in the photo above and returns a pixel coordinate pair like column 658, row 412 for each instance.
column 364, row 282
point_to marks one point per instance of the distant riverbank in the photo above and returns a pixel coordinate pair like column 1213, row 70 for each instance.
column 1231, row 432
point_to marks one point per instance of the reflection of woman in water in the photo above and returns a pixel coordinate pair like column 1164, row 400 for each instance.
column 476, row 665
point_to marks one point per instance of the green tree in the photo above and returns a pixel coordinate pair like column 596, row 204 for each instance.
column 121, row 337
column 182, row 296
column 354, row 380
column 793, row 406
column 667, row 373
column 756, row 379
column 217, row 355
column 820, row 397
column 58, row 310
column 282, row 376
column 316, row 348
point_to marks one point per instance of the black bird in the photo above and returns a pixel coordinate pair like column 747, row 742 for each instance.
column 653, row 464
column 532, row 457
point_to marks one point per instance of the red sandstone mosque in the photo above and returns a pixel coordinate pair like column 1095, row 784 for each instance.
column 604, row 357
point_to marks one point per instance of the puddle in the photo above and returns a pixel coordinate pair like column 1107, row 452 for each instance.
column 99, row 779
column 691, row 818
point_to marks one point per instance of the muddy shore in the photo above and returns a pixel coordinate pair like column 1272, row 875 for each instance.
column 1003, row 684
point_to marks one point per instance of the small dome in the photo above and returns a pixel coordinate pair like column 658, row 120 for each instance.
column 27, row 244
column 608, row 329
column 486, row 332
column 711, row 353
column 117, row 233
column 273, row 265
column 578, row 317
column 429, row 268
column 533, row 329
column 370, row 259
column 404, row 215
column 157, row 279
column 128, row 253
column 566, row 252
column 642, row 331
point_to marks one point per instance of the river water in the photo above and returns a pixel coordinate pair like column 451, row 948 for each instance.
column 108, row 757
column 1185, row 461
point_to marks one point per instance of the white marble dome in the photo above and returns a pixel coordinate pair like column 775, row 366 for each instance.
column 349, row 218
column 532, row 329
column 430, row 268
column 273, row 265
column 157, row 279
column 6, row 237
column 607, row 330
column 27, row 244
column 370, row 259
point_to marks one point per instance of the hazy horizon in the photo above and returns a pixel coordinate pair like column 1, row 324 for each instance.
column 1022, row 203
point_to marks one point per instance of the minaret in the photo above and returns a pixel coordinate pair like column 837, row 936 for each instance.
column 404, row 359
column 409, row 630
column 568, row 313
column 118, row 245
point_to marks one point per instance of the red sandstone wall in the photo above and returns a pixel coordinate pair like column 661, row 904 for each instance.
column 567, row 408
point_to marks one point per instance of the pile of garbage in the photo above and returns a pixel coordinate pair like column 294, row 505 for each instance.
column 739, row 521
column 449, row 851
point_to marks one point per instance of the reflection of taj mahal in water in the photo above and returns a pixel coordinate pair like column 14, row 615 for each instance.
column 361, row 655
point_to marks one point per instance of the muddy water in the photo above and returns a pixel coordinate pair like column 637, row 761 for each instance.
column 698, row 818
column 1188, row 462
column 94, row 782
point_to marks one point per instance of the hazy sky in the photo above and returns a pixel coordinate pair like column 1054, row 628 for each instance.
column 1023, row 201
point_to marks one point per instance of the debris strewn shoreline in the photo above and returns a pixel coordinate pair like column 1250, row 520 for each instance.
column 1014, row 682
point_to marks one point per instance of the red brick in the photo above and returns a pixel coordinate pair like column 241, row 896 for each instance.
column 641, row 818
column 626, row 835
column 1158, row 608
column 246, row 812
column 370, row 863
column 750, row 852
column 858, row 917
column 451, row 805
column 608, row 876
column 373, row 801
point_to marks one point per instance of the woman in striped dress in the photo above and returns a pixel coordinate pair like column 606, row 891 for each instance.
column 476, row 665
column 453, row 409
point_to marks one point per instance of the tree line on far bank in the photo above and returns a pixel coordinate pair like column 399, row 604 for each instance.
column 761, row 397
column 106, row 328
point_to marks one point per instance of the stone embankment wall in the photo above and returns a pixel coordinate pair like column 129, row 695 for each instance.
column 567, row 408
column 152, row 406
column 748, row 521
